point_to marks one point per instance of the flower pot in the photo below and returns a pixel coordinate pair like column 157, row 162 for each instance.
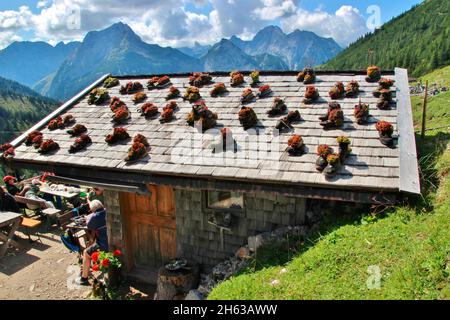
column 113, row 277
column 331, row 170
column 343, row 151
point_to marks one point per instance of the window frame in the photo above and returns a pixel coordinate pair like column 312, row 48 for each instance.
column 235, row 211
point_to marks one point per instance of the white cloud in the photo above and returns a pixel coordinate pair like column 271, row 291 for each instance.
column 8, row 37
column 169, row 23
column 345, row 25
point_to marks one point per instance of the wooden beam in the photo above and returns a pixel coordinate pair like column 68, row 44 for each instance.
column 38, row 126
column 409, row 180
column 182, row 182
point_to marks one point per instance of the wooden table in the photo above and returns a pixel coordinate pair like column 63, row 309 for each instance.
column 80, row 231
column 62, row 194
column 11, row 220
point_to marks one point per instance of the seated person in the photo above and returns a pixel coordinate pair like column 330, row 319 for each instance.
column 95, row 194
column 14, row 189
column 7, row 202
column 33, row 192
column 96, row 224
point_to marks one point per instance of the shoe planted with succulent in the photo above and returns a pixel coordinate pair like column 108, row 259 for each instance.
column 385, row 99
column 218, row 89
column 29, row 140
column 352, row 89
column 55, row 124
column 121, row 115
column 247, row 96
column 119, row 134
column 172, row 105
column 77, row 130
column 278, row 107
column 48, row 146
column 334, row 163
column 286, row 122
column 192, row 94
column 254, row 76
column 98, row 96
column 68, row 120
column 344, row 147
column 334, row 117
column 81, row 143
column 7, row 151
column 199, row 79
column 361, row 113
column 202, row 116
column 295, row 146
column 116, row 103
column 224, row 142
column 236, row 78
column 307, row 76
column 139, row 97
column 131, row 88
column 373, row 74
column 166, row 116
column 110, row 82
column 311, row 95
column 323, row 151
column 148, row 110
column 173, row 93
column 158, row 83
column 338, row 91
column 264, row 91
column 247, row 117
column 136, row 152
column 385, row 131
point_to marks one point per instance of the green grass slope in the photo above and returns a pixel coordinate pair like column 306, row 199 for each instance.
column 416, row 40
column 408, row 243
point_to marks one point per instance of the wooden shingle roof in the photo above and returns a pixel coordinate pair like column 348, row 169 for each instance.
column 371, row 166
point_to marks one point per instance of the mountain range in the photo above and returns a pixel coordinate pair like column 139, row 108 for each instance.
column 60, row 72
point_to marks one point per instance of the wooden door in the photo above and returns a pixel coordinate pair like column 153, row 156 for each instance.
column 150, row 229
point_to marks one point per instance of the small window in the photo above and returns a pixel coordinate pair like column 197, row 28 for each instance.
column 225, row 200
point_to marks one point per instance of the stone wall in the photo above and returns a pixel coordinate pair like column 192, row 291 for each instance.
column 201, row 242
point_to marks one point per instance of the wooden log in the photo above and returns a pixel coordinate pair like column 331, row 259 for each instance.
column 175, row 285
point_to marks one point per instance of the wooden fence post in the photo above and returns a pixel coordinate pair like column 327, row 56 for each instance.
column 424, row 110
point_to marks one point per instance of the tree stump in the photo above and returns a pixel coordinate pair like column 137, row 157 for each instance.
column 175, row 285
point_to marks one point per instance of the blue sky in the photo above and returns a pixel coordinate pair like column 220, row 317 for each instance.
column 183, row 22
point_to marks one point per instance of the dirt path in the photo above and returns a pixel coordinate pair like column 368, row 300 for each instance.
column 45, row 271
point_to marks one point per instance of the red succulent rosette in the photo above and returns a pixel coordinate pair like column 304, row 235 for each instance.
column 141, row 139
column 158, row 82
column 173, row 93
column 236, row 78
column 8, row 150
column 384, row 128
column 139, row 97
column 48, row 146
column 31, row 136
column 311, row 94
column 37, row 140
column 80, row 143
column 264, row 91
column 338, row 91
column 199, row 79
column 247, row 95
column 192, row 94
column 121, row 115
column 77, row 130
column 295, row 145
column 131, row 88
column 116, row 103
column 385, row 83
column 201, row 115
column 324, row 150
column 218, row 89
column 373, row 74
column 136, row 152
column 149, row 110
column 352, row 89
column 172, row 105
column 247, row 117
column 55, row 124
column 119, row 134
column 166, row 116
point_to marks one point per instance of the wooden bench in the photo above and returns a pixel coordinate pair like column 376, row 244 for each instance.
column 38, row 206
column 30, row 224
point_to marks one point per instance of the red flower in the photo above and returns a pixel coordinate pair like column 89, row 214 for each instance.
column 105, row 262
column 95, row 267
column 117, row 253
column 94, row 256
